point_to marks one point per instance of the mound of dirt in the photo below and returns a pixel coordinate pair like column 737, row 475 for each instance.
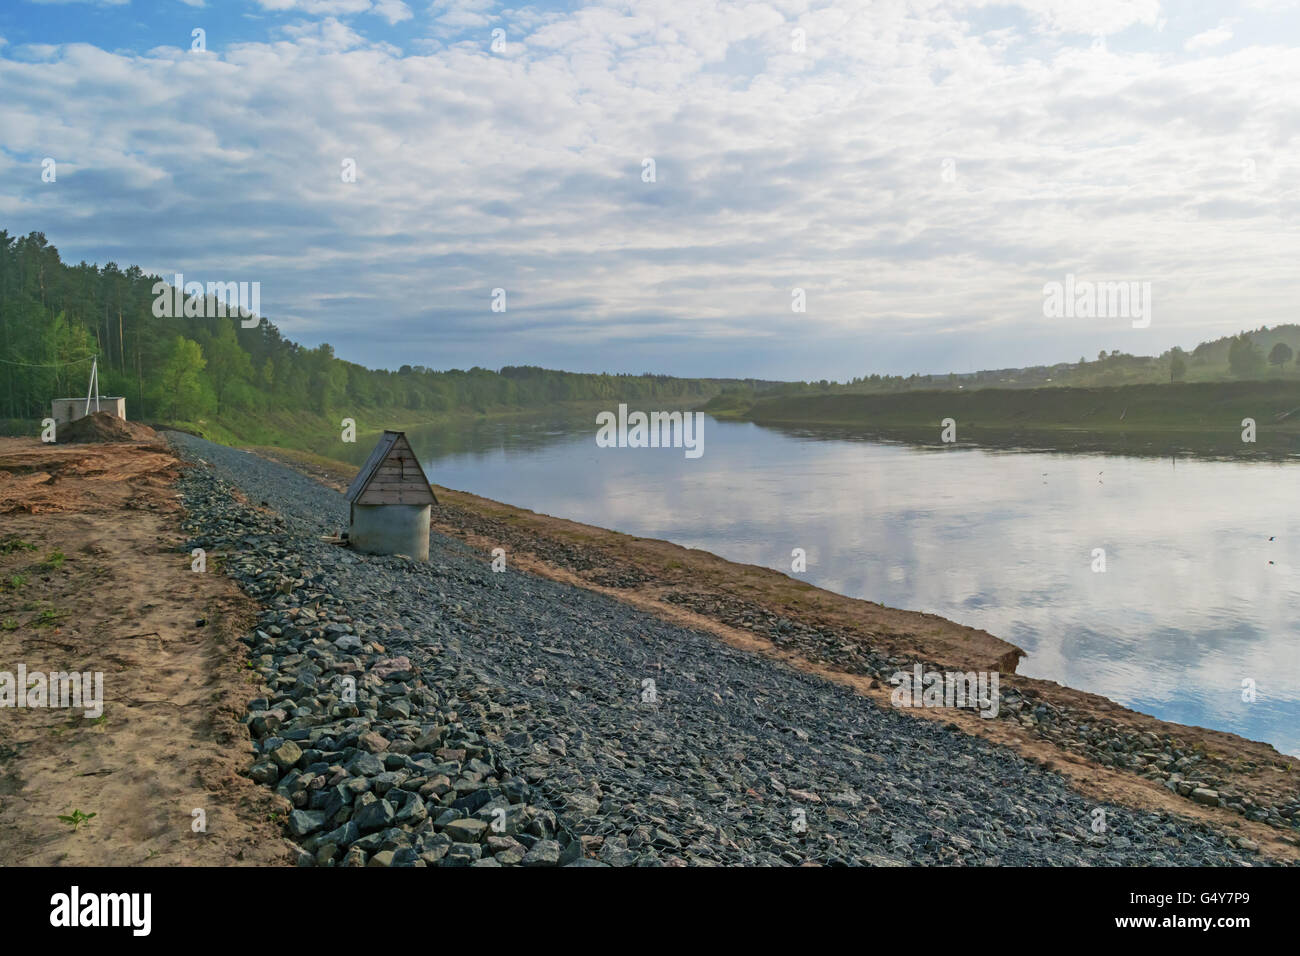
column 102, row 427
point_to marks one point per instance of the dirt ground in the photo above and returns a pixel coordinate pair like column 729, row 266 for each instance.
column 92, row 579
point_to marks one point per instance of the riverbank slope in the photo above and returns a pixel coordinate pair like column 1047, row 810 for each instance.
column 1103, row 748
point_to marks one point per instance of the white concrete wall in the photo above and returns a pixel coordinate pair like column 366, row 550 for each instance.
column 391, row 529
column 65, row 410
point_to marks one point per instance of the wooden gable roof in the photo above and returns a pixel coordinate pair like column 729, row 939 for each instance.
column 391, row 476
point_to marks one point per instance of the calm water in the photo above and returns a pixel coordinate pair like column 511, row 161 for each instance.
column 1195, row 597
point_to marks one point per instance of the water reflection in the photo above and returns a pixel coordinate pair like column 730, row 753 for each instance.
column 1195, row 598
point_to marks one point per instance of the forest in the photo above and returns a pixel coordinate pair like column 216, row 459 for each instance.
column 233, row 382
column 55, row 317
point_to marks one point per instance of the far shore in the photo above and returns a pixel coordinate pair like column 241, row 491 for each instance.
column 1248, row 419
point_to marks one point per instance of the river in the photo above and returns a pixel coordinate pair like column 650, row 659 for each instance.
column 1198, row 599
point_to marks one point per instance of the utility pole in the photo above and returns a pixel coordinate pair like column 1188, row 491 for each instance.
column 94, row 385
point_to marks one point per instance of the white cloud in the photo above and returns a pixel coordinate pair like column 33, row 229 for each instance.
column 463, row 14
column 1209, row 39
column 394, row 11
column 317, row 7
column 1094, row 17
column 774, row 169
column 97, row 3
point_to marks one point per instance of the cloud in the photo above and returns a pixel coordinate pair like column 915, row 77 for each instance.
column 1098, row 17
column 453, row 15
column 919, row 171
column 331, row 8
column 394, row 11
column 97, row 3
column 1208, row 40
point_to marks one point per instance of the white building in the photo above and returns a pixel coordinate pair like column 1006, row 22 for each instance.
column 66, row 410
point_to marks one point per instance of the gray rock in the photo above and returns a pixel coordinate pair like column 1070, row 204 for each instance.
column 265, row 771
column 375, row 816
column 467, row 830
column 286, row 754
column 543, row 853
column 304, row 822
column 364, row 764
column 462, row 854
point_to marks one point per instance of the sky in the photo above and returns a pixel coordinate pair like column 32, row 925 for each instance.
column 650, row 182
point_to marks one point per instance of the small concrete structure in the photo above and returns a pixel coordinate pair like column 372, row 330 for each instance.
column 390, row 499
column 68, row 410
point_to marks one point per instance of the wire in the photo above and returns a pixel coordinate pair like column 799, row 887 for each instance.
column 50, row 365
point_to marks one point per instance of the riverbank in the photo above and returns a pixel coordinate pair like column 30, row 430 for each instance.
column 1203, row 418
column 307, row 431
column 1104, row 749
column 598, row 733
column 604, row 701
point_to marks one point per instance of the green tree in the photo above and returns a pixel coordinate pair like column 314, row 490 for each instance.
column 1244, row 359
column 178, row 390
column 228, row 365
column 1177, row 366
column 327, row 378
column 68, row 346
column 1280, row 355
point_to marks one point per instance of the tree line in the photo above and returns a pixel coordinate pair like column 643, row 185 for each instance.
column 54, row 317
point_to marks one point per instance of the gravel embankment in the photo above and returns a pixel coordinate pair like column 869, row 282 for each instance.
column 501, row 719
column 1160, row 753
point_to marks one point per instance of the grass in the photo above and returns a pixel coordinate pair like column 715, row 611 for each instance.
column 312, row 432
column 11, row 543
column 53, row 561
column 49, row 617
column 1199, row 416
column 76, row 818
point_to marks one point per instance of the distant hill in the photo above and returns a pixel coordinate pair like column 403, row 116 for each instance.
column 1208, row 362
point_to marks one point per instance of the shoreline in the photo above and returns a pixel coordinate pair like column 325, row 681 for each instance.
column 1204, row 419
column 1105, row 749
column 1119, row 443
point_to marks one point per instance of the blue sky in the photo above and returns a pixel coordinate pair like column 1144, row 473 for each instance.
column 920, row 168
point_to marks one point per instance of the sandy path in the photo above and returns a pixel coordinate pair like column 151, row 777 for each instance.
column 124, row 602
